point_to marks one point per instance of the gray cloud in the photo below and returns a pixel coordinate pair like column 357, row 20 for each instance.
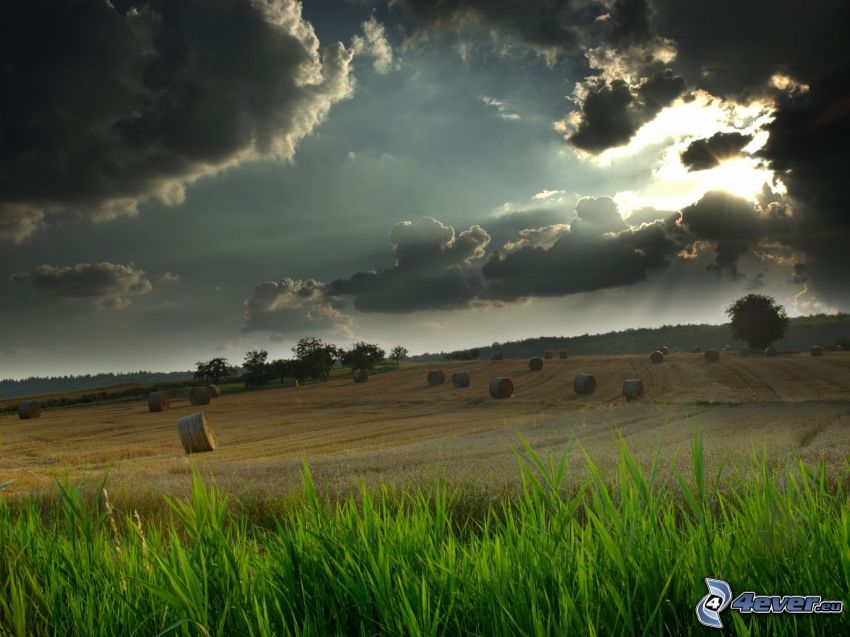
column 108, row 285
column 433, row 270
column 808, row 150
column 702, row 154
column 295, row 307
column 732, row 48
column 105, row 108
column 580, row 262
column 612, row 111
column 733, row 225
column 548, row 27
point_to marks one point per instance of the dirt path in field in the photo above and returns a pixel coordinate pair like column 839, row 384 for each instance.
column 395, row 427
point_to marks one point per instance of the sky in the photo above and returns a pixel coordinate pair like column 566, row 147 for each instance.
column 186, row 179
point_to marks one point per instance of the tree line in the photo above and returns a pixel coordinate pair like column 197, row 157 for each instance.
column 312, row 359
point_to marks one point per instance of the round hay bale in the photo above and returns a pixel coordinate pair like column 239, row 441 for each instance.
column 816, row 350
column 697, row 349
column 711, row 356
column 200, row 396
column 770, row 351
column 535, row 364
column 497, row 356
column 562, row 354
column 196, row 434
column 436, row 377
column 215, row 392
column 29, row 410
column 633, row 389
column 158, row 401
column 663, row 349
column 657, row 357
column 501, row 387
column 359, row 375
column 838, row 348
column 585, row 384
column 289, row 382
column 460, row 379
column 548, row 354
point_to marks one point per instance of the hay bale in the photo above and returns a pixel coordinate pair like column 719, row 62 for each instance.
column 29, row 410
column 497, row 356
column 215, row 392
column 838, row 348
column 436, row 377
column 158, row 401
column 501, row 387
column 562, row 354
column 816, row 350
column 633, row 389
column 548, row 354
column 359, row 375
column 535, row 364
column 770, row 351
column 200, row 396
column 585, row 384
column 460, row 379
column 196, row 434
column 663, row 349
column 289, row 382
column 657, row 357
column 711, row 356
column 697, row 349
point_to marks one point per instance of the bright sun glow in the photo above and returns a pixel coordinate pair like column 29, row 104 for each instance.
column 672, row 186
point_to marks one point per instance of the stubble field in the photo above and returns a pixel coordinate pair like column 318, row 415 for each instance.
column 397, row 429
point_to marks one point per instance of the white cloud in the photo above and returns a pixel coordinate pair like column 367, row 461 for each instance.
column 373, row 43
column 501, row 107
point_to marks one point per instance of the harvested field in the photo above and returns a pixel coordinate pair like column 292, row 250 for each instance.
column 397, row 428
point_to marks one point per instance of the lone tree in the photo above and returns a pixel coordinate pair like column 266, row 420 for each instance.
column 397, row 353
column 757, row 320
column 363, row 356
column 214, row 370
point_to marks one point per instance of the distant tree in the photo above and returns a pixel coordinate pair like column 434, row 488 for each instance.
column 757, row 320
column 398, row 353
column 315, row 357
column 214, row 370
column 464, row 354
column 257, row 369
column 363, row 356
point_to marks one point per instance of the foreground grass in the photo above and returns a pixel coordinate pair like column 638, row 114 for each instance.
column 621, row 557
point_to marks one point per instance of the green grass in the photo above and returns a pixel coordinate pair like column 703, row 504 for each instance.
column 621, row 555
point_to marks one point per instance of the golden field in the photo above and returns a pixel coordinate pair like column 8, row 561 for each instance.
column 396, row 428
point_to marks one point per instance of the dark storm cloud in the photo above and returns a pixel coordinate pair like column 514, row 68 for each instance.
column 433, row 270
column 103, row 108
column 733, row 48
column 107, row 285
column 801, row 273
column 628, row 22
column 807, row 147
column 548, row 26
column 579, row 263
column 291, row 307
column 733, row 225
column 613, row 111
column 702, row 154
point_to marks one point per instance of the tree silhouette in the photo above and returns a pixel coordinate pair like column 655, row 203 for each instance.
column 757, row 320
column 397, row 353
